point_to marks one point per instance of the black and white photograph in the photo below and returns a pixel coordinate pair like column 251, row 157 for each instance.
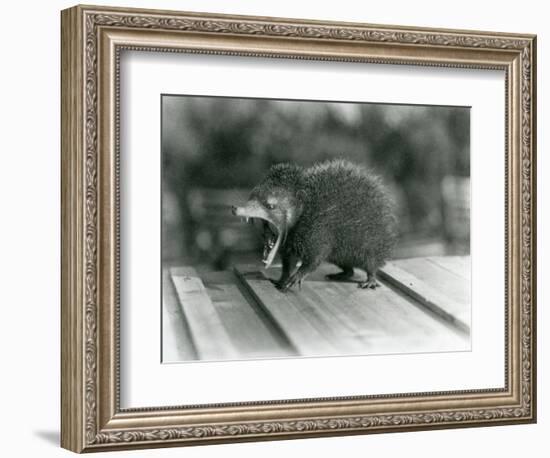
column 308, row 228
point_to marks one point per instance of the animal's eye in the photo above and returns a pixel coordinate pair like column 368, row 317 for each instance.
column 270, row 206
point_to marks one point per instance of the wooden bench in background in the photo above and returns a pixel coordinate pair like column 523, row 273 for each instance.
column 422, row 305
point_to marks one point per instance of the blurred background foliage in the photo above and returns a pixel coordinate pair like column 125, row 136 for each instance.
column 214, row 150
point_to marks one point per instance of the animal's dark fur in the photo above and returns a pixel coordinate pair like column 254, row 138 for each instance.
column 337, row 212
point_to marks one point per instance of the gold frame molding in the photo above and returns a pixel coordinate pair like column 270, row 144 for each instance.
column 92, row 39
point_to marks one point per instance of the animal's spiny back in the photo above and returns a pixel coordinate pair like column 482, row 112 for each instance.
column 348, row 207
column 341, row 185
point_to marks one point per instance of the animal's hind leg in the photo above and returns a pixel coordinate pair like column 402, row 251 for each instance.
column 371, row 281
column 371, row 268
column 346, row 274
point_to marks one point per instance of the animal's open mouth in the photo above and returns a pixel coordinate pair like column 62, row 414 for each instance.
column 270, row 239
column 274, row 232
column 273, row 238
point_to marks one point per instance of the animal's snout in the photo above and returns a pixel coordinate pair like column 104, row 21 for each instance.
column 233, row 209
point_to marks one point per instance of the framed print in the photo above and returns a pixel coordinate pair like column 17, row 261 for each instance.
column 278, row 228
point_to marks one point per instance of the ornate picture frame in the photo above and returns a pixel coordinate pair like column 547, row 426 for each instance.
column 92, row 41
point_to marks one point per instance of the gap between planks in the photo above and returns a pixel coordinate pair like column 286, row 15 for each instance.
column 453, row 311
column 207, row 329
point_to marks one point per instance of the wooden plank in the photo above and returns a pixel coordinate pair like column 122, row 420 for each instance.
column 345, row 331
column 322, row 315
column 330, row 301
column 392, row 322
column 459, row 265
column 177, row 344
column 386, row 321
column 356, row 321
column 443, row 279
column 368, row 313
column 327, row 318
column 444, row 305
column 447, row 275
column 207, row 329
column 288, row 312
column 252, row 334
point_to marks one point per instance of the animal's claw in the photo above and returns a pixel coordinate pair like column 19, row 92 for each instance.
column 286, row 285
column 283, row 288
column 371, row 283
column 276, row 283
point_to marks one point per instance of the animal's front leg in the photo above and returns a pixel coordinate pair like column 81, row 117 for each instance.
column 371, row 267
column 289, row 262
column 298, row 276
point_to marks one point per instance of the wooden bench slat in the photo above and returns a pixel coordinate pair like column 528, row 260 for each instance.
column 361, row 319
column 251, row 333
column 356, row 321
column 177, row 344
column 443, row 279
column 288, row 312
column 394, row 323
column 430, row 294
column 422, row 305
column 318, row 311
column 346, row 327
column 207, row 329
column 460, row 265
